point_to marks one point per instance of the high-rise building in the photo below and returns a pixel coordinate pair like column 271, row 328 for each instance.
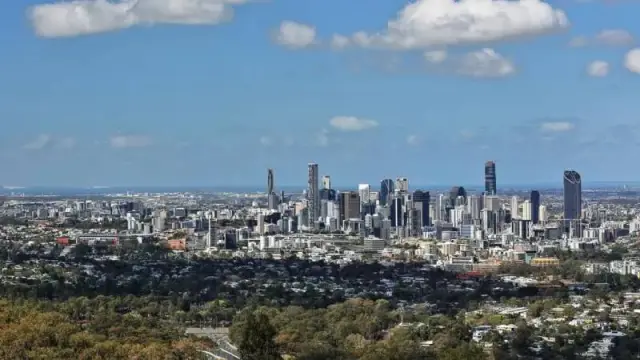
column 535, row 206
column 527, row 210
column 572, row 197
column 349, row 204
column 386, row 191
column 313, row 195
column 421, row 201
column 326, row 182
column 402, row 185
column 515, row 206
column 364, row 190
column 270, row 182
column 490, row 187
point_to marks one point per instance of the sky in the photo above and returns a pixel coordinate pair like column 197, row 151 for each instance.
column 214, row 92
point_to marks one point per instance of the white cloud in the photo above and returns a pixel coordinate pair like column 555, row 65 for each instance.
column 352, row 123
column 607, row 37
column 557, row 126
column 129, row 141
column 295, row 35
column 485, row 63
column 339, row 42
column 39, row 143
column 66, row 143
column 427, row 23
column 632, row 61
column 482, row 63
column 435, row 56
column 598, row 68
column 615, row 37
column 83, row 17
column 413, row 140
column 266, row 141
column 579, row 41
column 322, row 138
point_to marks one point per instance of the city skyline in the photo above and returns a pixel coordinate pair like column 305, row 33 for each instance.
column 139, row 96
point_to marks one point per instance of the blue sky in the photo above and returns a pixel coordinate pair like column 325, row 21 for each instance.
column 181, row 92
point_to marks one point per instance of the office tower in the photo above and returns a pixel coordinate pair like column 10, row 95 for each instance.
column 492, row 203
column 475, row 206
column 402, row 185
column 397, row 211
column 572, row 197
column 386, row 191
column 326, row 182
column 364, row 190
column 535, row 206
column 270, row 181
column 515, row 205
column 260, row 225
column 273, row 201
column 490, row 178
column 527, row 210
column 543, row 213
column 421, row 201
column 349, row 203
column 457, row 191
column 312, row 194
column 439, row 207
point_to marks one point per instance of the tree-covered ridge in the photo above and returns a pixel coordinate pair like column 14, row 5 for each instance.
column 82, row 329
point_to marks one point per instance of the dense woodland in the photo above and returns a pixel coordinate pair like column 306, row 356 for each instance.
column 103, row 329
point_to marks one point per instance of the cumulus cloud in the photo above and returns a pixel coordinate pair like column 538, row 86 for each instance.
column 607, row 37
column 435, row 56
column 598, row 68
column 83, row 17
column 484, row 63
column 632, row 61
column 66, row 143
column 352, row 123
column 47, row 141
column 556, row 126
column 339, row 42
column 322, row 138
column 428, row 23
column 39, row 143
column 129, row 141
column 413, row 140
column 266, row 141
column 295, row 35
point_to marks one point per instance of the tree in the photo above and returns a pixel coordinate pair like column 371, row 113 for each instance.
column 257, row 339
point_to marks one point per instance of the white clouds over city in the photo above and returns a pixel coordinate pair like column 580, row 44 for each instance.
column 83, row 17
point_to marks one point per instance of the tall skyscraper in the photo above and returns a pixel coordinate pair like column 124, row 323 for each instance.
column 270, row 182
column 326, row 182
column 402, row 185
column 572, row 196
column 313, row 195
column 421, row 201
column 386, row 191
column 535, row 206
column 490, row 187
column 364, row 190
column 349, row 204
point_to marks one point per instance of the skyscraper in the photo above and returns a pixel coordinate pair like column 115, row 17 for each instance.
column 490, row 187
column 270, row 183
column 349, row 204
column 421, row 201
column 572, row 196
column 326, row 182
column 386, row 191
column 313, row 194
column 535, row 206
